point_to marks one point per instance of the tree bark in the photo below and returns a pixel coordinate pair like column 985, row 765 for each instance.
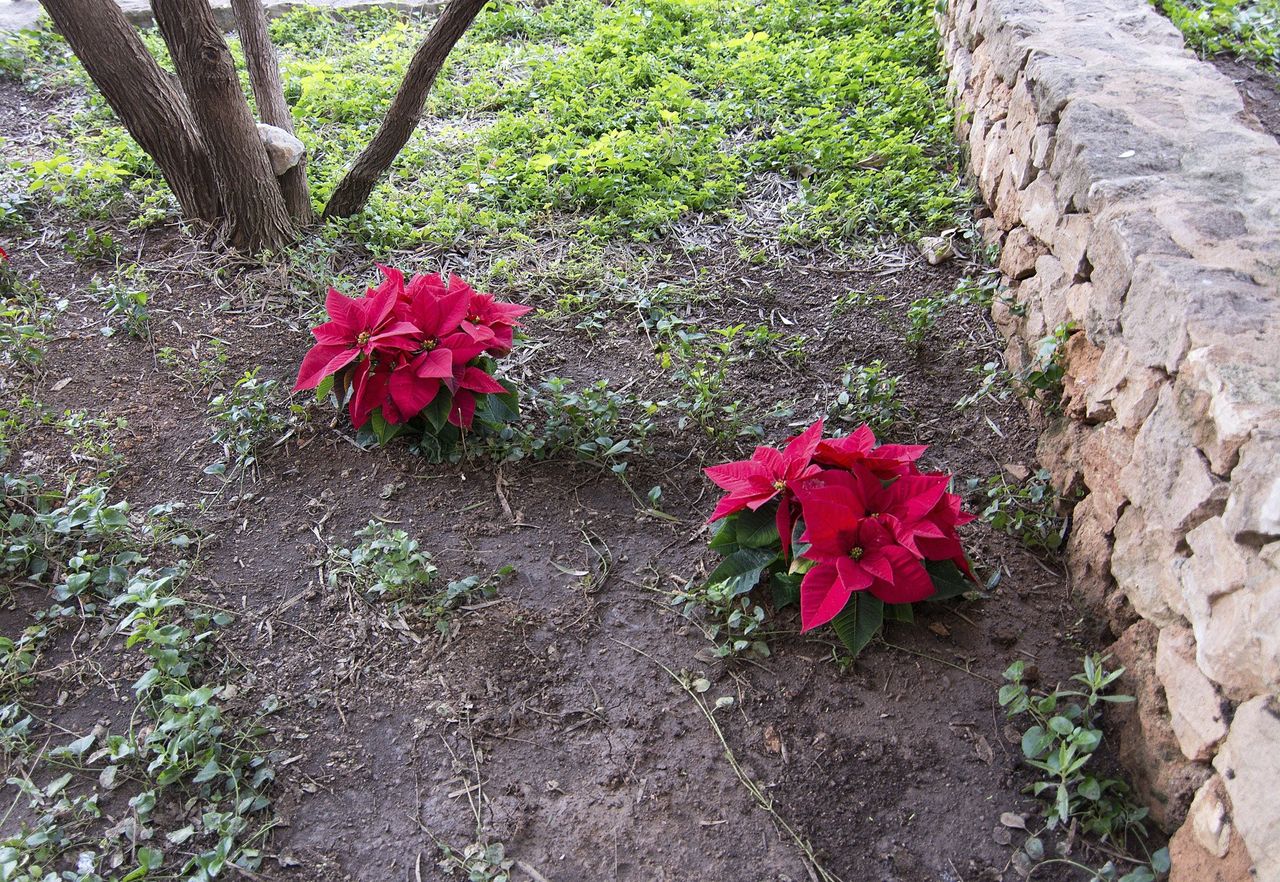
column 268, row 91
column 406, row 109
column 144, row 97
column 253, row 205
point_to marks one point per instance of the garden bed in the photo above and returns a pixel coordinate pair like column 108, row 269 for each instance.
column 538, row 714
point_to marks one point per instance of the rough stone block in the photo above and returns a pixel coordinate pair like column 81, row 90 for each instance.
column 1252, row 513
column 1230, row 391
column 1146, row 565
column 1232, row 595
column 1207, row 847
column 1249, row 764
column 1020, row 253
column 1168, row 479
column 1195, row 707
column 1162, row 777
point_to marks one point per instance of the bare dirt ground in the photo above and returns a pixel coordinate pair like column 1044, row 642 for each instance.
column 591, row 762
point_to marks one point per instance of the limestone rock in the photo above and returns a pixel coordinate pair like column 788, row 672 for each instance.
column 1207, row 847
column 1195, row 707
column 936, row 249
column 283, row 149
column 1232, row 595
column 1020, row 252
column 1163, row 779
column 1252, row 513
column 1249, row 764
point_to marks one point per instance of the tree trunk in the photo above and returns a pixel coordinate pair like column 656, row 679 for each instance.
column 253, row 206
column 146, row 99
column 264, row 76
column 406, row 109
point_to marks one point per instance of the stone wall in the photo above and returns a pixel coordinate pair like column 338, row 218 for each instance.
column 1137, row 204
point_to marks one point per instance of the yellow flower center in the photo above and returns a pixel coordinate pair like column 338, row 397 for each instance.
column 362, row 338
column 855, row 553
column 779, row 484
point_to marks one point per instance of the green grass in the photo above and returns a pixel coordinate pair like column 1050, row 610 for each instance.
column 1248, row 29
column 598, row 121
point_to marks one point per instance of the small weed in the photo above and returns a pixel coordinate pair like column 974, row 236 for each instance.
column 1041, row 381
column 868, row 395
column 245, row 419
column 196, row 369
column 1026, row 511
column 595, row 424
column 92, row 441
column 478, row 862
column 922, row 315
column 1060, row 742
column 856, row 300
column 388, row 563
column 25, row 319
column 385, row 562
column 124, row 305
column 92, row 245
column 730, row 619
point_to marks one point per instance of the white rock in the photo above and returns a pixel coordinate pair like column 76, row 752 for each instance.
column 1195, row 708
column 1249, row 763
column 283, row 149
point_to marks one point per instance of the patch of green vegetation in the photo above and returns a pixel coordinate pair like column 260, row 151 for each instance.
column 868, row 394
column 1026, row 511
column 603, row 120
column 245, row 419
column 388, row 563
column 1064, row 734
column 729, row 618
column 594, row 423
column 178, row 757
column 1247, row 29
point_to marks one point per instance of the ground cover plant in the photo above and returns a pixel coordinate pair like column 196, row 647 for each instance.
column 1247, row 29
column 471, row 659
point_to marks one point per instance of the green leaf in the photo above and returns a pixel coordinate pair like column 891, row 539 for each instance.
column 758, row 529
column 859, row 621
column 948, row 580
column 1035, row 741
column 1062, row 725
column 725, row 537
column 899, row 612
column 743, row 568
column 786, row 589
column 1160, row 861
column 1090, row 789
column 437, row 412
column 1008, row 693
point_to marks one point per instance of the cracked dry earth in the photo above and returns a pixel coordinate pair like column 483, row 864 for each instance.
column 547, row 704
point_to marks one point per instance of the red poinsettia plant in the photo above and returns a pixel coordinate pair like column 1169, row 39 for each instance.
column 415, row 354
column 852, row 527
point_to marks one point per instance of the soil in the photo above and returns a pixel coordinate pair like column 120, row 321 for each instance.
column 1258, row 87
column 594, row 763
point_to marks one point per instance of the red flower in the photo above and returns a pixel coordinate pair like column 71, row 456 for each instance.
column 4, row 255
column 903, row 506
column 853, row 551
column 356, row 328
column 885, row 462
column 484, row 313
column 769, row 474
column 467, row 383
